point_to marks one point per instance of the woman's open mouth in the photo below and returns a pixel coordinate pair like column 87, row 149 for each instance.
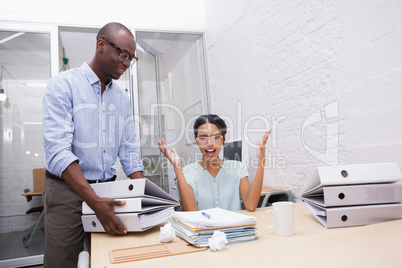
column 210, row 152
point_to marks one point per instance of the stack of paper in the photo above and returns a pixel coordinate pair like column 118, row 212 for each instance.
column 353, row 195
column 196, row 227
column 146, row 205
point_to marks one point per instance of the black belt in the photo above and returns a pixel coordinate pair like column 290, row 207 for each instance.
column 54, row 177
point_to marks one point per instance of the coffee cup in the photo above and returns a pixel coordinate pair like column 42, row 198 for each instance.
column 283, row 218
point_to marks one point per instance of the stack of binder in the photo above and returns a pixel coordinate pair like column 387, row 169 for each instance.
column 146, row 206
column 353, row 195
column 196, row 227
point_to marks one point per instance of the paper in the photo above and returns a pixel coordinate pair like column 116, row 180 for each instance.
column 197, row 227
column 200, row 238
column 167, row 233
column 218, row 241
column 219, row 218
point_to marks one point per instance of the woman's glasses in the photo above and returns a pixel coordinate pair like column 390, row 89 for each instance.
column 124, row 55
column 214, row 138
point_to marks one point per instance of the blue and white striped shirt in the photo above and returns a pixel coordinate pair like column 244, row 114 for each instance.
column 80, row 123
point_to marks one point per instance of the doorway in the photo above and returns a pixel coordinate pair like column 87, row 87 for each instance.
column 25, row 62
column 172, row 91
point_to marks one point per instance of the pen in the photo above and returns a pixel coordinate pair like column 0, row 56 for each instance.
column 205, row 215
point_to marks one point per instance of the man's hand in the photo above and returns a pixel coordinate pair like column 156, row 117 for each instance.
column 104, row 210
column 103, row 207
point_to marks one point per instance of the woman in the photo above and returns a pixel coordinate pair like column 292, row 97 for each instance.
column 214, row 182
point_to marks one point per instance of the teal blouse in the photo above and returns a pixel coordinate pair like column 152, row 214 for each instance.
column 221, row 191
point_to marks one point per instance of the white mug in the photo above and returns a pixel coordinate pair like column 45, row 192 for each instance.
column 283, row 218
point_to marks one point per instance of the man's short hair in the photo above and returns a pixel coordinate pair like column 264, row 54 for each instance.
column 111, row 28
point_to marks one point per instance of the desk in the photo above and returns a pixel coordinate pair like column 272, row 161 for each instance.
column 265, row 190
column 376, row 245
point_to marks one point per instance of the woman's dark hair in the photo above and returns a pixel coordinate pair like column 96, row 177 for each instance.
column 212, row 119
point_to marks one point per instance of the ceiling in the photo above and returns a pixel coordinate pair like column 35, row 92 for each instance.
column 26, row 56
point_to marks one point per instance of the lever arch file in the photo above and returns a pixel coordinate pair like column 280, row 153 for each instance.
column 134, row 222
column 362, row 194
column 130, row 188
column 355, row 215
column 137, row 204
column 352, row 174
column 146, row 205
column 353, row 195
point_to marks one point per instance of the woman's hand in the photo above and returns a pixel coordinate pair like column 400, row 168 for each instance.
column 251, row 195
column 186, row 191
column 261, row 148
column 171, row 155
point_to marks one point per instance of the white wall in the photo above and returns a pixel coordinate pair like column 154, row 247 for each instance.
column 318, row 69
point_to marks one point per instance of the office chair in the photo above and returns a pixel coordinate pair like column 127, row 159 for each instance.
column 275, row 196
column 233, row 150
column 38, row 182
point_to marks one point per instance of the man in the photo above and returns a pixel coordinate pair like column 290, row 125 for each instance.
column 87, row 124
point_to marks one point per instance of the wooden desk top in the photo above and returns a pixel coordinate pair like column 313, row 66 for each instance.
column 266, row 190
column 32, row 193
column 376, row 245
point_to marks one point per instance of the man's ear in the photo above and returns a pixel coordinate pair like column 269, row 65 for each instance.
column 100, row 46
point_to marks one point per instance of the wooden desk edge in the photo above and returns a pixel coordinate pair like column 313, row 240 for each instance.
column 31, row 194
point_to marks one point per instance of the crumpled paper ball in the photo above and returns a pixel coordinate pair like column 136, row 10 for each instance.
column 218, row 241
column 167, row 233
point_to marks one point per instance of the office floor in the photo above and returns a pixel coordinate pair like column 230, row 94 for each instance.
column 12, row 247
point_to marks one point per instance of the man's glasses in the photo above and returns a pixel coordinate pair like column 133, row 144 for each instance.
column 214, row 138
column 124, row 55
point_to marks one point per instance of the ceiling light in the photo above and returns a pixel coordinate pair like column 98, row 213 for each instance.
column 36, row 84
column 10, row 37
column 3, row 96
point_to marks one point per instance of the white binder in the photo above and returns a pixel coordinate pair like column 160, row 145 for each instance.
column 352, row 174
column 135, row 204
column 362, row 194
column 131, row 188
column 353, row 195
column 355, row 215
column 146, row 205
column 134, row 222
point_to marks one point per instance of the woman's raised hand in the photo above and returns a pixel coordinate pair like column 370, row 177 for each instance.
column 261, row 147
column 171, row 155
